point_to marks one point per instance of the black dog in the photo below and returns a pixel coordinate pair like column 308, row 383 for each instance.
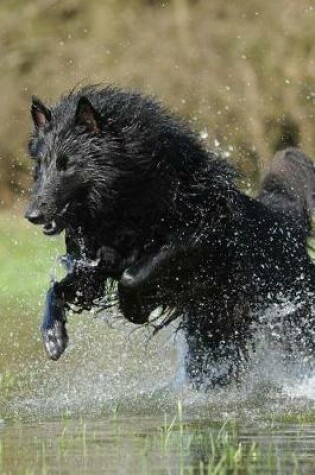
column 142, row 202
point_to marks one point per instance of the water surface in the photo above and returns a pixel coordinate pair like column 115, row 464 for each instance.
column 117, row 402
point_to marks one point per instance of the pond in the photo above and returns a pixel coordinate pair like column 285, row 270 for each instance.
column 117, row 401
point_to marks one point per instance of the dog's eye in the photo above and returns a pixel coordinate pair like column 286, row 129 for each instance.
column 62, row 163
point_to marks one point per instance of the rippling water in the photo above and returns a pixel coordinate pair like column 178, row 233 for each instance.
column 104, row 406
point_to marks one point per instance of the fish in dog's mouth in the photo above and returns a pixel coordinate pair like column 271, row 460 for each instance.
column 57, row 225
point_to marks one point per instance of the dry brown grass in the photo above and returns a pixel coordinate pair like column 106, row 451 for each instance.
column 230, row 67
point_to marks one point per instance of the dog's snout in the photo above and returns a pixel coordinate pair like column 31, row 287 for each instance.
column 35, row 216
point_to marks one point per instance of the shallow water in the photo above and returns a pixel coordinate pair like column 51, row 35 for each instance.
column 110, row 405
column 136, row 445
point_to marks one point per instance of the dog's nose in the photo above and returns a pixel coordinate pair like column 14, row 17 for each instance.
column 34, row 216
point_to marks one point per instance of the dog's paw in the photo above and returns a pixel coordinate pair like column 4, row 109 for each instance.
column 55, row 339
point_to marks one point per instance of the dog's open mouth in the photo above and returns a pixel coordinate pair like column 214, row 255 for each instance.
column 57, row 225
column 52, row 228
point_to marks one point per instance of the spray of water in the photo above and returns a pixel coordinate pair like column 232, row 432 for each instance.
column 113, row 365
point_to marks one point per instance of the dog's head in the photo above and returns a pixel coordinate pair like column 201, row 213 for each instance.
column 121, row 158
column 64, row 145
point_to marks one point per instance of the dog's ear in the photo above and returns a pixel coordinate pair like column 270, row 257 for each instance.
column 41, row 114
column 86, row 116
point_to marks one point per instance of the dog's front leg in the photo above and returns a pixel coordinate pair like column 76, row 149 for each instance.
column 152, row 264
column 134, row 279
column 143, row 271
column 140, row 278
column 53, row 327
column 83, row 284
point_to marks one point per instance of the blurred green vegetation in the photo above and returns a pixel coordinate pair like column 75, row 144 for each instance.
column 26, row 258
column 236, row 69
column 28, row 261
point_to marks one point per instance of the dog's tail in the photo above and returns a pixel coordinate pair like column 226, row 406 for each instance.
column 289, row 186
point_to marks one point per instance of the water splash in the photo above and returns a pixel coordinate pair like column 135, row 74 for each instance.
column 109, row 368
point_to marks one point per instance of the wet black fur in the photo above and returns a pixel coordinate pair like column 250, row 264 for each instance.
column 161, row 215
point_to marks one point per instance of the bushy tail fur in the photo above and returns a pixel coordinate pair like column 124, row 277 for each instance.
column 289, row 186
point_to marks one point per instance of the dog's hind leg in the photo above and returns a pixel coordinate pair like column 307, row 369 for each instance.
column 216, row 337
column 210, row 363
column 53, row 328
